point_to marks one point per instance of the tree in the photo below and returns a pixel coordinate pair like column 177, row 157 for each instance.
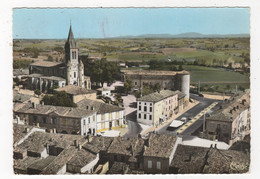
column 59, row 99
column 128, row 85
column 37, row 92
column 180, row 68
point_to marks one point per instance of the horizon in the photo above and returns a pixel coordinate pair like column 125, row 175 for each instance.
column 105, row 23
column 137, row 36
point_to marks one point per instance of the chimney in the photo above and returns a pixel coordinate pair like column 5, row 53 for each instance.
column 51, row 131
column 76, row 143
column 234, row 108
column 38, row 125
column 33, row 105
column 215, row 146
column 79, row 147
column 26, row 130
column 47, row 148
column 42, row 102
column 54, row 130
column 92, row 108
column 211, row 145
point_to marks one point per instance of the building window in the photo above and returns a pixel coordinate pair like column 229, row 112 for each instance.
column 158, row 165
column 44, row 120
column 53, row 120
column 115, row 157
column 151, row 109
column 144, row 116
column 145, row 108
column 35, row 119
column 89, row 120
column 74, row 74
column 135, row 83
column 151, row 104
column 211, row 125
column 224, row 127
column 64, row 122
column 140, row 103
column 139, row 115
column 73, row 55
column 150, row 164
column 139, row 108
column 84, row 122
column 150, row 117
column 144, row 103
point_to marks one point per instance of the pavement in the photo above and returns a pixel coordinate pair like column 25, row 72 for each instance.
column 204, row 103
column 194, row 119
column 168, row 122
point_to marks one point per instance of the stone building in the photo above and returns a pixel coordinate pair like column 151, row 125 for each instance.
column 156, row 108
column 108, row 117
column 59, row 119
column 77, row 93
column 193, row 159
column 158, row 153
column 231, row 122
column 172, row 80
column 89, row 117
column 127, row 150
column 48, row 153
column 46, row 74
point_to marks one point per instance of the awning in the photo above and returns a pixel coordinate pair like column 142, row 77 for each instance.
column 110, row 133
column 176, row 123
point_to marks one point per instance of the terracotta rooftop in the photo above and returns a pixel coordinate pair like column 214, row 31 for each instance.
column 45, row 63
column 98, row 144
column 59, row 110
column 191, row 159
column 18, row 97
column 99, row 107
column 235, row 104
column 155, row 97
column 81, row 158
column 153, row 72
column 37, row 141
column 19, row 132
column 160, row 146
column 75, row 90
column 126, row 146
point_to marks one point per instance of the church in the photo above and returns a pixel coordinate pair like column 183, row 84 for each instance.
column 45, row 74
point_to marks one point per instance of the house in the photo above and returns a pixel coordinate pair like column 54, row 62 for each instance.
column 48, row 153
column 193, row 159
column 231, row 122
column 127, row 150
column 77, row 93
column 158, row 153
column 108, row 117
column 59, row 119
column 155, row 108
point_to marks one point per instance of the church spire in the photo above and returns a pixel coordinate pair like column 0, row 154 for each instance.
column 71, row 41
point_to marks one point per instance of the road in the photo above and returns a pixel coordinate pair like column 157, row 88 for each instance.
column 204, row 102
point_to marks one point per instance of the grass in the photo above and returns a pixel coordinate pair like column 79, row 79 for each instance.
column 215, row 75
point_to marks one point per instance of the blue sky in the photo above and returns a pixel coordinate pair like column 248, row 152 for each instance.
column 114, row 22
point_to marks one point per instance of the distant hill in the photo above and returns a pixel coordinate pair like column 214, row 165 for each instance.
column 187, row 35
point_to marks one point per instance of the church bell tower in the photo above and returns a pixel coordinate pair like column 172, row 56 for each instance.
column 74, row 68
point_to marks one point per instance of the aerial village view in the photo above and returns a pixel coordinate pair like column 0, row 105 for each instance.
column 131, row 91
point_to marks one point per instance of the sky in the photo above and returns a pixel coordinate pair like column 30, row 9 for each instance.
column 115, row 22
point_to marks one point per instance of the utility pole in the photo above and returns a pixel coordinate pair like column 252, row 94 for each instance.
column 199, row 88
column 204, row 120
